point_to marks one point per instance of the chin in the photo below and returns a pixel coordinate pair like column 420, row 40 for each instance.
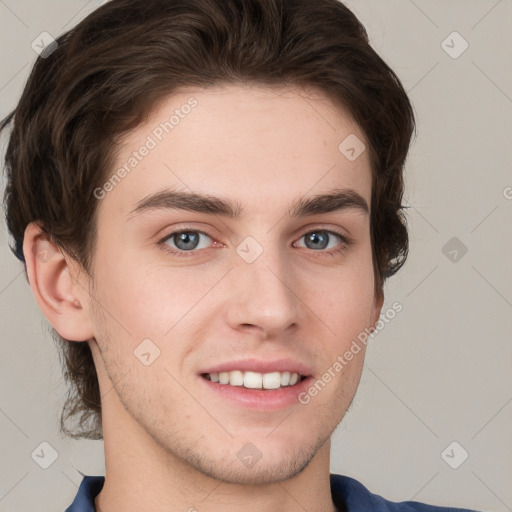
column 255, row 463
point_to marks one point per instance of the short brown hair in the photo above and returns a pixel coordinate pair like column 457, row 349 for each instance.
column 107, row 75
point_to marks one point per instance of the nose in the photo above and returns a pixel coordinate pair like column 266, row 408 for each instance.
column 264, row 296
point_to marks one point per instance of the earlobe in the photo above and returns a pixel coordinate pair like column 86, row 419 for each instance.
column 62, row 299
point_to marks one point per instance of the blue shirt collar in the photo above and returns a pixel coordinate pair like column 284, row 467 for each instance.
column 348, row 495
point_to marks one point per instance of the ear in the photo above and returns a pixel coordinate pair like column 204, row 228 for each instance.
column 378, row 301
column 53, row 278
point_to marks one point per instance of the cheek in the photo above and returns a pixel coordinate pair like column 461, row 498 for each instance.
column 128, row 302
column 345, row 317
column 345, row 307
column 344, row 295
column 153, row 301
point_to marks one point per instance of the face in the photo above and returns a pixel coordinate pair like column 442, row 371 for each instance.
column 254, row 279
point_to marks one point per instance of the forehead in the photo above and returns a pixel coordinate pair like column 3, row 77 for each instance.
column 263, row 146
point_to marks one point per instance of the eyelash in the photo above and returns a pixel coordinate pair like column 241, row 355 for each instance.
column 346, row 242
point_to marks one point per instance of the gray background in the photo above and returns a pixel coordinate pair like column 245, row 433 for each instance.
column 440, row 371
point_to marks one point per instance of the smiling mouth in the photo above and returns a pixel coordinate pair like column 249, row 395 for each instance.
column 255, row 380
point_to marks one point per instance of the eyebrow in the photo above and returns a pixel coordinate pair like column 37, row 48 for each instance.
column 336, row 200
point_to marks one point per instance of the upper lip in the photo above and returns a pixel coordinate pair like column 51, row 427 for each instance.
column 261, row 366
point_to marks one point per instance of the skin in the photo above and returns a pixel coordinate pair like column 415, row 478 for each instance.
column 169, row 445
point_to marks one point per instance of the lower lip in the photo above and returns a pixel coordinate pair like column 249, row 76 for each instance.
column 261, row 400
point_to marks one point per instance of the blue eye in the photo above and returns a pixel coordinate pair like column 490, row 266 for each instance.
column 320, row 239
column 186, row 242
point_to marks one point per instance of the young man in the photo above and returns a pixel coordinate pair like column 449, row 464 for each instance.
column 207, row 198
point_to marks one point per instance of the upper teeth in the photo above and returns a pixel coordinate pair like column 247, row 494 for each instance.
column 255, row 380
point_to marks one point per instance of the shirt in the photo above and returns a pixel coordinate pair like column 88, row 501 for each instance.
column 348, row 495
